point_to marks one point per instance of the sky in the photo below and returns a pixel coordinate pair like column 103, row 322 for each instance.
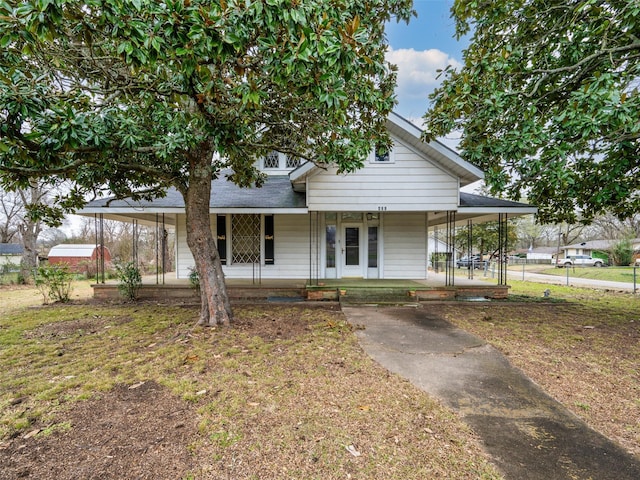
column 419, row 49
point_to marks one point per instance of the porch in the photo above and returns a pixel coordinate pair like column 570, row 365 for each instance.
column 344, row 290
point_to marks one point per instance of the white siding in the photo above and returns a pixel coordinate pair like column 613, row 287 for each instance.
column 291, row 235
column 409, row 183
column 184, row 259
column 405, row 246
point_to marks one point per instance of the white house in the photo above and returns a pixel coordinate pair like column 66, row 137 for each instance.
column 11, row 254
column 308, row 222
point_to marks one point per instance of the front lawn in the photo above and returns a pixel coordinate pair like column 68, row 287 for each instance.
column 613, row 274
column 111, row 391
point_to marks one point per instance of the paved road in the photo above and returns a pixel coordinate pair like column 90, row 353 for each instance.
column 573, row 281
column 529, row 435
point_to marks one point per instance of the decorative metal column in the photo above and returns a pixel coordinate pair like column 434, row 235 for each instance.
column 436, row 254
column 164, row 247
column 451, row 245
column 157, row 242
column 99, row 234
column 470, row 248
column 314, row 248
column 134, row 242
column 502, row 248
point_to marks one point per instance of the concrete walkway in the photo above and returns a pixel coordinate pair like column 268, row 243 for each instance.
column 528, row 434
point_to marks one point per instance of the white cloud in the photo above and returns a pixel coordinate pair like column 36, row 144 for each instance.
column 417, row 72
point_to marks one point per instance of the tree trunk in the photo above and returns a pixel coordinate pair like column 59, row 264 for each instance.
column 29, row 263
column 30, row 231
column 215, row 306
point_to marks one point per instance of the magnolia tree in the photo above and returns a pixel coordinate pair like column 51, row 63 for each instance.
column 132, row 97
column 547, row 102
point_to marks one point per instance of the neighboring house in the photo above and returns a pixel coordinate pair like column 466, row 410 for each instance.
column 81, row 258
column 595, row 248
column 11, row 254
column 308, row 222
column 541, row 254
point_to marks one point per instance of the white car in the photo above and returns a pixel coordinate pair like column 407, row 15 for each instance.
column 582, row 260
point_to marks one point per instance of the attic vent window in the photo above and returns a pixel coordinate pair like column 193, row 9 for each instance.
column 292, row 162
column 272, row 160
column 382, row 155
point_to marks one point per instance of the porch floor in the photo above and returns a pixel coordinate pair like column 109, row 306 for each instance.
column 345, row 290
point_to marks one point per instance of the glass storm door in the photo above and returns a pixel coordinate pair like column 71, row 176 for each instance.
column 351, row 251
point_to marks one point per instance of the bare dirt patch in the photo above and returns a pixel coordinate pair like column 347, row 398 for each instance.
column 74, row 328
column 140, row 431
column 278, row 321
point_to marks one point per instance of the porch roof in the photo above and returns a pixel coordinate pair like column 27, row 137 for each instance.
column 482, row 209
column 276, row 196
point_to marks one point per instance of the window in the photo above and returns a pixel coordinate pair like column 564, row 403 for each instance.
column 331, row 246
column 373, row 248
column 292, row 162
column 221, row 227
column 272, row 160
column 245, row 238
column 351, row 217
column 382, row 155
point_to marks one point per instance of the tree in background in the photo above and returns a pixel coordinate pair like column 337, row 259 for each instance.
column 132, row 97
column 485, row 237
column 10, row 213
column 20, row 220
column 611, row 228
column 548, row 104
column 119, row 239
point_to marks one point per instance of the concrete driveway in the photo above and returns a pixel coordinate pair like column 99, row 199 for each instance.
column 528, row 434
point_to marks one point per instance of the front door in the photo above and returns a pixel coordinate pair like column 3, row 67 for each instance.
column 351, row 251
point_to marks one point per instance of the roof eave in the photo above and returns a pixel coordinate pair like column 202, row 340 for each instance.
column 435, row 150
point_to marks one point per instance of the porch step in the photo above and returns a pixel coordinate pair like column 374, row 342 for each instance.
column 358, row 294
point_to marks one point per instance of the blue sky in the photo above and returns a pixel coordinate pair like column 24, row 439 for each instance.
column 419, row 49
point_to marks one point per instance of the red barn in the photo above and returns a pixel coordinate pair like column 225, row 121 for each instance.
column 81, row 258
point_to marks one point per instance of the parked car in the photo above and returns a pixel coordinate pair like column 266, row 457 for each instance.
column 475, row 260
column 582, row 260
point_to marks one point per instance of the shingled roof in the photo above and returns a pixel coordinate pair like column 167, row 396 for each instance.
column 276, row 193
column 11, row 249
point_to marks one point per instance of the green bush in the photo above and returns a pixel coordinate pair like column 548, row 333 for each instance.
column 130, row 280
column 194, row 279
column 622, row 253
column 54, row 282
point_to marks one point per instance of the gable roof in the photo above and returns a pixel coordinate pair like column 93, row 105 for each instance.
column 11, row 249
column 435, row 150
column 411, row 135
column 82, row 250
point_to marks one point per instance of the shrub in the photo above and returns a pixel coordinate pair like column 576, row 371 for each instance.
column 622, row 253
column 54, row 282
column 194, row 279
column 130, row 280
